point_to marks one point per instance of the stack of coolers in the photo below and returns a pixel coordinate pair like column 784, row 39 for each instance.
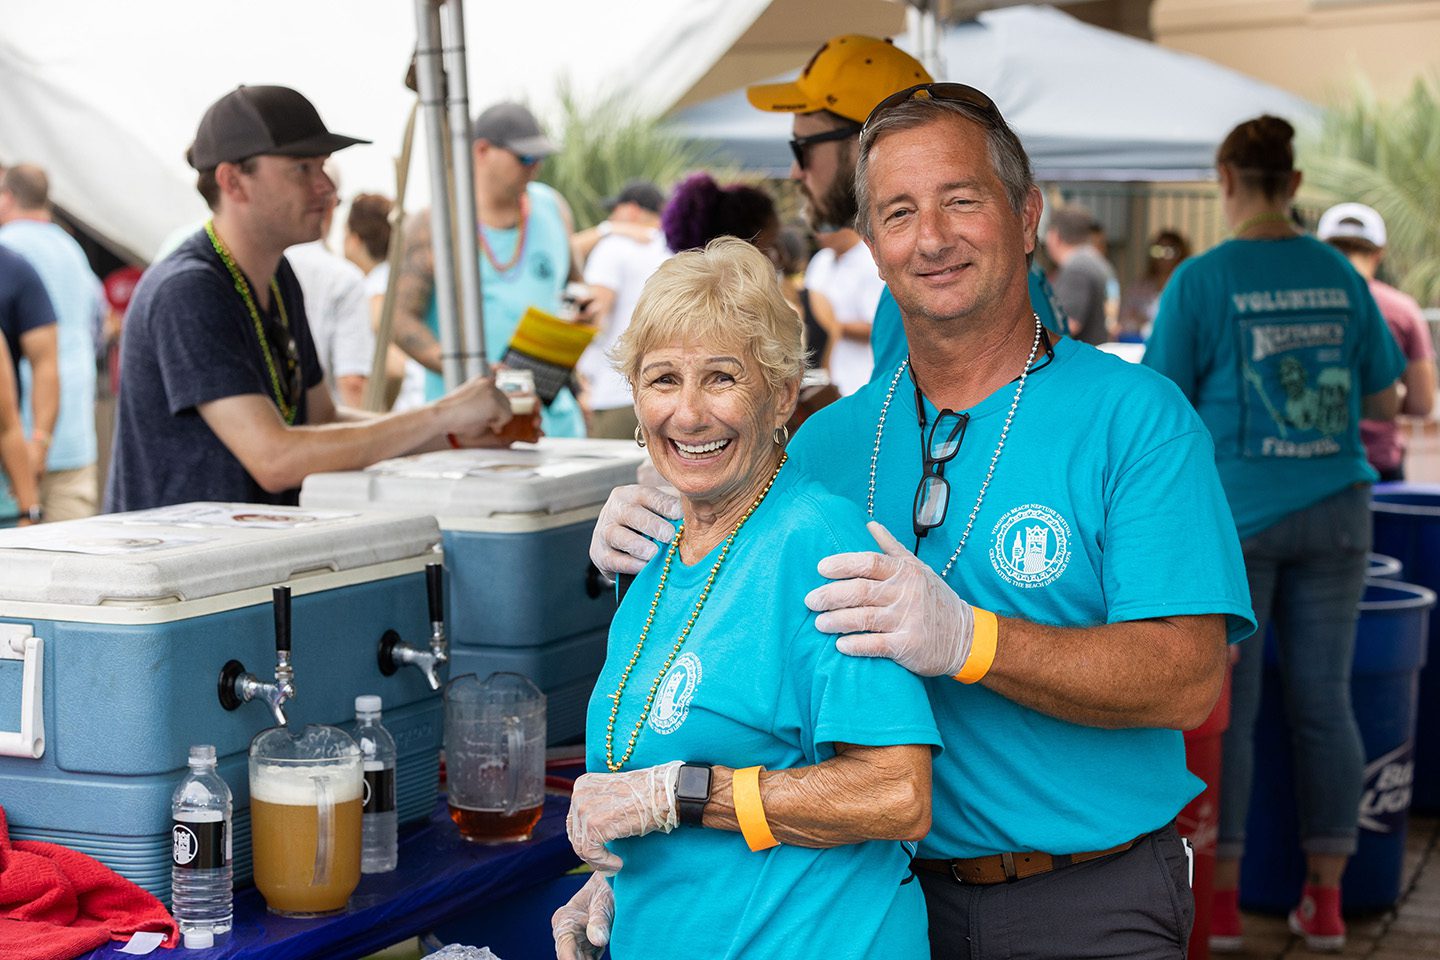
column 521, row 594
column 114, row 635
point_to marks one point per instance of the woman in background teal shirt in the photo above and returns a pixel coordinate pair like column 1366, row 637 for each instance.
column 798, row 777
column 1276, row 341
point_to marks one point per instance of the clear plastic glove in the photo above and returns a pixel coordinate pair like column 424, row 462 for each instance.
column 609, row 806
column 893, row 605
column 581, row 928
column 630, row 522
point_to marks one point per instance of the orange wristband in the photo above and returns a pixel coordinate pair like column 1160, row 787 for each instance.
column 745, row 791
column 982, row 647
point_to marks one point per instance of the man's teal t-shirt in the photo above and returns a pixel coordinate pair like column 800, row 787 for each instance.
column 756, row 683
column 1276, row 342
column 887, row 333
column 537, row 280
column 1104, row 507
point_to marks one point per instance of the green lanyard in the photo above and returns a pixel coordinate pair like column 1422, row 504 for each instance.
column 287, row 410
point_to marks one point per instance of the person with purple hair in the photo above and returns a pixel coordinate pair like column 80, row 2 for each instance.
column 701, row 210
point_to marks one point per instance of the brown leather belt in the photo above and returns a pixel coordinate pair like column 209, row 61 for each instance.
column 1005, row 867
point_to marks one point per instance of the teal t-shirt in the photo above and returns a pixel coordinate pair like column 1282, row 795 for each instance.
column 1104, row 507
column 1275, row 342
column 536, row 281
column 887, row 334
column 756, row 683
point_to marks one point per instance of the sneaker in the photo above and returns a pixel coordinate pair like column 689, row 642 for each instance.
column 1317, row 919
column 1225, row 933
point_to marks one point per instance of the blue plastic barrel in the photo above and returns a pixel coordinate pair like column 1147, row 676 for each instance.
column 1407, row 527
column 1383, row 567
column 1390, row 648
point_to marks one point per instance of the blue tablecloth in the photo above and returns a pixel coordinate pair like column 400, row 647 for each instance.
column 439, row 878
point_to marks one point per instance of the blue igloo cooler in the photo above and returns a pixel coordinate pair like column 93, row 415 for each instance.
column 521, row 594
column 114, row 632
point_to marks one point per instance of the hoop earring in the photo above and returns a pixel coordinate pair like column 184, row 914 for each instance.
column 639, row 437
column 781, row 435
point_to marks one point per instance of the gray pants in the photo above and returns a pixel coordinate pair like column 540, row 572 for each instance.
column 1136, row 905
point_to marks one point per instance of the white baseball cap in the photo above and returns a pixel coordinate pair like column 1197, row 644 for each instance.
column 1352, row 220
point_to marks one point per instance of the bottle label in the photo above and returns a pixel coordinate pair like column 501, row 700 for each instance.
column 379, row 791
column 199, row 845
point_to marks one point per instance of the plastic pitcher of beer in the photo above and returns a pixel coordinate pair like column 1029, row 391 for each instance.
column 305, row 801
column 495, row 756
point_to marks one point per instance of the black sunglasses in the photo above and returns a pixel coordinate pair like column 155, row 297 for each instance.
column 801, row 145
column 954, row 92
column 932, row 496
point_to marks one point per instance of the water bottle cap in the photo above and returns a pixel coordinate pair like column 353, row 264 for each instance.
column 367, row 703
column 199, row 939
column 202, row 753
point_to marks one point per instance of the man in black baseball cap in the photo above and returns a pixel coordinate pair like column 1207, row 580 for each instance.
column 223, row 387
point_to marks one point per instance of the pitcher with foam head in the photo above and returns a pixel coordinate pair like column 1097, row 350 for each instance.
column 495, row 756
column 305, row 803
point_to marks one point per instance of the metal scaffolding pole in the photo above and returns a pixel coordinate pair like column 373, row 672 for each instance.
column 467, row 226
column 431, row 82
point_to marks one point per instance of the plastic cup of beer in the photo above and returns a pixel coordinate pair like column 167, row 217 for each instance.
column 494, row 756
column 519, row 388
column 305, row 804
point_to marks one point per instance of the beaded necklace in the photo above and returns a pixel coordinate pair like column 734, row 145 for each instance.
column 288, row 410
column 994, row 459
column 508, row 265
column 610, row 762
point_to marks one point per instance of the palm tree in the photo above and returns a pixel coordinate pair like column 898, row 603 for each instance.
column 607, row 143
column 1387, row 155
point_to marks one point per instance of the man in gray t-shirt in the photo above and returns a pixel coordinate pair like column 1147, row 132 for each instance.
column 1084, row 274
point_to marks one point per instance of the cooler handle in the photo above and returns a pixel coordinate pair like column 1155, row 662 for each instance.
column 18, row 642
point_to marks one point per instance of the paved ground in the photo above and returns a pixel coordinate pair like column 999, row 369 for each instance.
column 1409, row 932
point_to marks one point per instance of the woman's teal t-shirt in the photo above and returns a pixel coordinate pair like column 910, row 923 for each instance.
column 1276, row 342
column 756, row 683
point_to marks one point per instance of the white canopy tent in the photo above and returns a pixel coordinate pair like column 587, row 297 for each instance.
column 1089, row 104
column 106, row 96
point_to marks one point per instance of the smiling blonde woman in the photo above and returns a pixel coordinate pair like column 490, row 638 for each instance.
column 790, row 769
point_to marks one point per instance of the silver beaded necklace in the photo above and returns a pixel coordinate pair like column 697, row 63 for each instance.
column 994, row 458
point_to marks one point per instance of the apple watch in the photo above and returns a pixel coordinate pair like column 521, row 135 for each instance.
column 692, row 792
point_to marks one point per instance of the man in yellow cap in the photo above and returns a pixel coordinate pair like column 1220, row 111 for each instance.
column 831, row 98
column 842, row 83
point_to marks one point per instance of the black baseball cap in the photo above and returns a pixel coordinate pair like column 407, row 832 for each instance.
column 513, row 127
column 249, row 121
column 642, row 193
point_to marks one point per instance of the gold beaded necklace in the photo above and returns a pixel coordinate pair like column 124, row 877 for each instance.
column 610, row 762
column 288, row 410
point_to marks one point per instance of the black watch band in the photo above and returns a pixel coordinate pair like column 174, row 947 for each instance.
column 692, row 792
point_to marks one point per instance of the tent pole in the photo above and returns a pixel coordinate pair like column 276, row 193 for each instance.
column 384, row 335
column 467, row 251
column 432, row 100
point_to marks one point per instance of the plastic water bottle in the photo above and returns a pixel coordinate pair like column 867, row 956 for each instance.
column 378, row 849
column 200, row 873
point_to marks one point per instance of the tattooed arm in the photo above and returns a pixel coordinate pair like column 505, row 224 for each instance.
column 412, row 294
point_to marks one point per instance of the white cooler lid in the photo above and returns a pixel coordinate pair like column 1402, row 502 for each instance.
column 196, row 551
column 524, row 488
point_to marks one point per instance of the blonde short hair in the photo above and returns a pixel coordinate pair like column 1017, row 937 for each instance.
column 727, row 292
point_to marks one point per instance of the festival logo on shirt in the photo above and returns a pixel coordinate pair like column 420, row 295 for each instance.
column 672, row 700
column 1030, row 546
column 1296, row 388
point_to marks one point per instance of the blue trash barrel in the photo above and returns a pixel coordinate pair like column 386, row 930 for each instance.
column 1383, row 567
column 1407, row 527
column 1389, row 652
column 516, row 927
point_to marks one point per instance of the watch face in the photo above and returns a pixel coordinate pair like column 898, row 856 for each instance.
column 694, row 783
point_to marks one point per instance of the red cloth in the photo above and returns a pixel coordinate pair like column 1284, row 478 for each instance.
column 56, row 904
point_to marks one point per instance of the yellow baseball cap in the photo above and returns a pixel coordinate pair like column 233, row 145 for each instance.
column 848, row 76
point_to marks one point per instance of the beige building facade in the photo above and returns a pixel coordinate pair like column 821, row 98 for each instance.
column 1310, row 47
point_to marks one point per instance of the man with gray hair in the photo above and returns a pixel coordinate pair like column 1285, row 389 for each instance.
column 1069, row 628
